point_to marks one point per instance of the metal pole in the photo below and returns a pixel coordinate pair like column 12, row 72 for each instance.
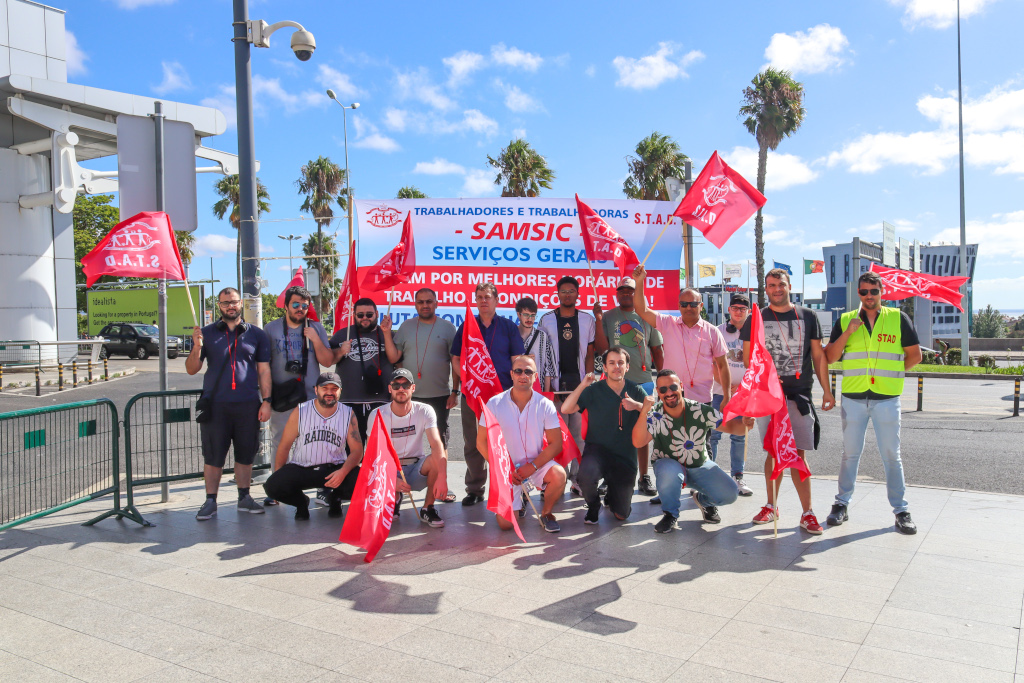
column 965, row 350
column 161, row 293
column 106, row 371
column 1016, row 397
column 348, row 177
column 74, row 374
column 687, row 230
column 60, row 376
column 248, row 227
column 39, row 386
column 920, row 394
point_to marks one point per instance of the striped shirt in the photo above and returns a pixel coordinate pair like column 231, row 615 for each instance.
column 321, row 440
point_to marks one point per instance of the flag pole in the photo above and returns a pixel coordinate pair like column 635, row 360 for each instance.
column 655, row 243
column 776, row 499
column 391, row 296
column 536, row 514
column 188, row 295
column 402, row 472
column 351, row 320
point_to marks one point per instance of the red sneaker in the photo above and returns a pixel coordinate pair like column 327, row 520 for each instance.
column 810, row 523
column 767, row 515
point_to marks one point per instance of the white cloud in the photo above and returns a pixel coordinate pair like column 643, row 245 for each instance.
column 340, row 83
column 224, row 100
column 461, row 65
column 654, row 69
column 473, row 120
column 416, row 85
column 937, row 13
column 590, row 71
column 478, row 183
column 1004, row 232
column 439, row 166
column 135, row 4
column 519, row 133
column 175, row 78
column 515, row 58
column 516, row 99
column 74, row 56
column 214, row 245
column 783, row 170
column 820, row 49
column 395, row 119
column 998, row 110
column 368, row 136
column 271, row 88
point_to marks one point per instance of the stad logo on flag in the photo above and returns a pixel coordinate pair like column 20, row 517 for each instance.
column 378, row 497
column 384, row 216
column 716, row 193
column 130, row 240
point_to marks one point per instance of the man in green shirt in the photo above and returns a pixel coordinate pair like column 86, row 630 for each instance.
column 678, row 430
column 612, row 406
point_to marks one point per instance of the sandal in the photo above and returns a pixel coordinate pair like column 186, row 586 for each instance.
column 450, row 498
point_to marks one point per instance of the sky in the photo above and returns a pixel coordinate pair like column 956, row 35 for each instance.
column 443, row 85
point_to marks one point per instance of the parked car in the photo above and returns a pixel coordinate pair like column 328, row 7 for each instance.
column 136, row 340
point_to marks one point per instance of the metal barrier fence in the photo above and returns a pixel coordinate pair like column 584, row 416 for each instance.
column 951, row 375
column 55, row 457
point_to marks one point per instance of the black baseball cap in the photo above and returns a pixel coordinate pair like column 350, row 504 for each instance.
column 328, row 378
column 404, row 373
column 739, row 299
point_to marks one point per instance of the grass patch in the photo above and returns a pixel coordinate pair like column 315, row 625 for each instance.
column 973, row 370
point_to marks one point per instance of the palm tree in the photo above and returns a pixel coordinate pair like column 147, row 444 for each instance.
column 773, row 107
column 410, row 192
column 521, row 170
column 227, row 205
column 322, row 244
column 321, row 182
column 657, row 157
column 186, row 241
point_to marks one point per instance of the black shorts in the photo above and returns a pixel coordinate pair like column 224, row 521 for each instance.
column 231, row 423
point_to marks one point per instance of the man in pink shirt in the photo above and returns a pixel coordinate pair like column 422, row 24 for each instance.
column 692, row 345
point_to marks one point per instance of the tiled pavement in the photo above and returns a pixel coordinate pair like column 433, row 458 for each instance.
column 267, row 598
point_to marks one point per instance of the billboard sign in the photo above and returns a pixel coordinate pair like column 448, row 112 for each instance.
column 140, row 306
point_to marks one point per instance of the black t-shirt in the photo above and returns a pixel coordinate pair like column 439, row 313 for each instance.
column 788, row 337
column 908, row 337
column 568, row 350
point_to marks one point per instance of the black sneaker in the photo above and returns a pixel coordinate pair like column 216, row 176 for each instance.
column 904, row 524
column 334, row 509
column 592, row 513
column 321, row 498
column 429, row 515
column 838, row 515
column 472, row 499
column 666, row 525
column 710, row 512
column 302, row 511
column 646, row 486
column 522, row 508
column 602, row 490
column 398, row 504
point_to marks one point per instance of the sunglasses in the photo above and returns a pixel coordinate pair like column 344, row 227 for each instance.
column 689, row 304
column 368, row 316
column 400, row 384
column 872, row 292
column 670, row 387
column 296, row 306
column 523, row 371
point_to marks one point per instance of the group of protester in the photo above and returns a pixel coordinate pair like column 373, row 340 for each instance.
column 657, row 405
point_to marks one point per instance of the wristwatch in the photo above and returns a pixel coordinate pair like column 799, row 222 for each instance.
column 266, row 400
column 455, row 392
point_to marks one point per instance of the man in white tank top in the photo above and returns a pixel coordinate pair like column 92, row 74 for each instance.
column 320, row 430
column 407, row 422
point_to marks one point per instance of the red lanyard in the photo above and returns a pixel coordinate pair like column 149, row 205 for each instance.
column 419, row 363
column 786, row 339
column 700, row 345
column 232, row 354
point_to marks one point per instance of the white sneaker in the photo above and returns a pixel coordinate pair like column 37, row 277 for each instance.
column 744, row 489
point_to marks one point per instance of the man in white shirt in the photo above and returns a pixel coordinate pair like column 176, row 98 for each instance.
column 527, row 419
column 407, row 422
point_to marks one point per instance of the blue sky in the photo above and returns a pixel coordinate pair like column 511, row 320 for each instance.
column 442, row 85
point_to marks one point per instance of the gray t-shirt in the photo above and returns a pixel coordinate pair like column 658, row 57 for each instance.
column 426, row 352
column 629, row 331
column 284, row 349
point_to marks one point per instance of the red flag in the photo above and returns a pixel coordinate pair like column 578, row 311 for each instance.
column 779, row 442
column 570, row 451
column 395, row 266
column 499, row 494
column 602, row 243
column 297, row 281
column 760, row 392
column 373, row 500
column 902, row 284
column 478, row 378
column 719, row 202
column 142, row 246
column 344, row 315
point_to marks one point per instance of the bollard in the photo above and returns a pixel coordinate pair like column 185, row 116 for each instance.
column 74, row 374
column 106, row 371
column 1016, row 397
column 833, row 374
column 920, row 394
column 90, row 371
column 39, row 387
column 1, row 377
column 60, row 377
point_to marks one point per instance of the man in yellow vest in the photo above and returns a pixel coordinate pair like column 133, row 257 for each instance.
column 877, row 345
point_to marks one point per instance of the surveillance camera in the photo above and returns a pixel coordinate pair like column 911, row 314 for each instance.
column 303, row 45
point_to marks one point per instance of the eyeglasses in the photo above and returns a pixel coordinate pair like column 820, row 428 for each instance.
column 229, row 304
column 296, row 306
column 670, row 387
column 399, row 384
column 689, row 304
column 873, row 292
column 523, row 371
column 368, row 316
column 738, row 308
column 527, row 316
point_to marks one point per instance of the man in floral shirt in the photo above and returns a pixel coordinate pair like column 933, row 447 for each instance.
column 679, row 429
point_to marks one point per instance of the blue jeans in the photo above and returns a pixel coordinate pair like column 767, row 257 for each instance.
column 885, row 417
column 736, row 443
column 713, row 484
column 648, row 388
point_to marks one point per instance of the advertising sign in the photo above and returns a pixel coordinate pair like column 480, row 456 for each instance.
column 140, row 306
column 521, row 245
column 888, row 244
column 732, row 271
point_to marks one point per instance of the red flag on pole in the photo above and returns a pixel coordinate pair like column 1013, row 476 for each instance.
column 297, row 281
column 478, row 378
column 397, row 265
column 902, row 284
column 781, row 445
column 569, row 450
column 719, row 201
column 499, row 494
column 602, row 243
column 760, row 392
column 141, row 246
column 373, row 500
column 349, row 294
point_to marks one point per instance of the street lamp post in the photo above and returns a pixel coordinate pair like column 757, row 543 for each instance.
column 290, row 239
column 348, row 178
column 965, row 318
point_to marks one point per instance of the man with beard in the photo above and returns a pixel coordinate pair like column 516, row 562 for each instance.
column 237, row 387
column 298, row 347
column 527, row 420
column 316, row 429
column 792, row 335
column 678, row 428
column 408, row 422
column 877, row 345
column 624, row 327
column 613, row 406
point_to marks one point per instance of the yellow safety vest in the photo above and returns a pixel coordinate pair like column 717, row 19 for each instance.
column 874, row 362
